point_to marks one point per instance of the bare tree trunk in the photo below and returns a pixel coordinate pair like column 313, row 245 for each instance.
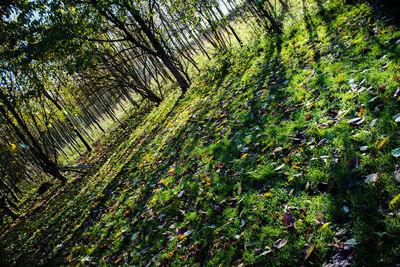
column 45, row 163
column 69, row 122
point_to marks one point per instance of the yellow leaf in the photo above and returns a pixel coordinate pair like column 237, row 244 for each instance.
column 12, row 147
column 268, row 194
column 244, row 156
column 395, row 203
column 296, row 165
column 267, row 146
column 383, row 142
column 325, row 225
column 360, row 112
column 309, row 252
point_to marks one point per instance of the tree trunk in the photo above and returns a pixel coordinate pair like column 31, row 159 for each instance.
column 44, row 162
column 161, row 53
column 230, row 27
column 69, row 122
column 158, row 51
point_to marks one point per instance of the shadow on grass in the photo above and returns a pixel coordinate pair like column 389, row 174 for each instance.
column 236, row 162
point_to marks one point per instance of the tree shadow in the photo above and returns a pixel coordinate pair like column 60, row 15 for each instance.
column 238, row 110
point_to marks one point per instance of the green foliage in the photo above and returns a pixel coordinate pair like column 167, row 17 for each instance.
column 260, row 163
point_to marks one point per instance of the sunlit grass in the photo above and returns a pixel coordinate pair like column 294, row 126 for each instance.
column 261, row 162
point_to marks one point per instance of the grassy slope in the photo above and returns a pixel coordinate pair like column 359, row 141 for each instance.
column 257, row 164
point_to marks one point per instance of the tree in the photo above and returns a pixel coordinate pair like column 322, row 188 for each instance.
column 16, row 123
column 130, row 22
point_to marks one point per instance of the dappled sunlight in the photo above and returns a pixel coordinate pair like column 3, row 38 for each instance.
column 283, row 152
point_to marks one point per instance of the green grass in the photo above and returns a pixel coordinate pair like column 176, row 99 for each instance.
column 257, row 164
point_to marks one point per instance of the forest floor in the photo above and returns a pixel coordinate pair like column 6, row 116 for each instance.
column 284, row 152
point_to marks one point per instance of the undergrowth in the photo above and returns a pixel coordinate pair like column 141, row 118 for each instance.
column 283, row 153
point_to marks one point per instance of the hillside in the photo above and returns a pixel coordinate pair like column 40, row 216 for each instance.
column 282, row 153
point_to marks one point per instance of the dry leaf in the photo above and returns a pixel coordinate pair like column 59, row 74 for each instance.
column 279, row 167
column 280, row 243
column 383, row 142
column 356, row 121
column 309, row 252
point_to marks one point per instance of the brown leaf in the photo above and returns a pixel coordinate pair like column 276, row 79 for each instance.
column 288, row 219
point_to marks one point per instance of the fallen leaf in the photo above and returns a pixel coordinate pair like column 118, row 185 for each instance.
column 268, row 194
column 372, row 100
column 309, row 252
column 115, row 262
column 279, row 167
column 396, row 152
column 244, row 156
column 86, row 259
column 351, row 243
column 396, row 117
column 239, row 236
column 280, row 243
column 395, row 203
column 266, row 252
column 288, row 219
column 372, row 178
column 383, row 142
column 267, row 146
column 341, row 232
column 12, row 147
column 373, row 122
column 356, row 121
column 325, row 225
column 397, row 93
column 396, row 175
column 361, row 111
column 134, row 236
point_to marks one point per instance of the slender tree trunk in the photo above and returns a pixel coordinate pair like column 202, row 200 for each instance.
column 230, row 27
column 178, row 76
column 46, row 164
column 73, row 127
column 159, row 50
column 265, row 13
